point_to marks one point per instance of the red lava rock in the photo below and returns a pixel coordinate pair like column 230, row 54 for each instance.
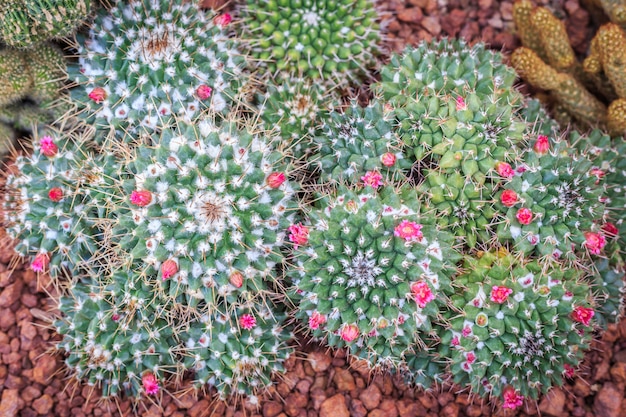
column 43, row 404
column 371, row 397
column 618, row 372
column 608, row 401
column 318, row 396
column 319, row 361
column 410, row 15
column 473, row 411
column 294, row 403
column 11, row 293
column 357, row 409
column 387, row 408
column 450, row 410
column 334, row 406
column 452, row 25
column 29, row 331
column 552, row 404
column 44, row 369
column 10, row 403
column 344, row 380
column 303, row 386
column 272, row 409
column 431, row 24
column 199, row 409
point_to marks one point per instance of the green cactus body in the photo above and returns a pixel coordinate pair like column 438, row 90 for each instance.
column 608, row 283
column 455, row 110
column 238, row 353
column 24, row 23
column 115, row 331
column 552, row 202
column 45, row 207
column 357, row 141
column 519, row 325
column 145, row 62
column 335, row 42
column 15, row 79
column 372, row 273
column 297, row 109
column 207, row 202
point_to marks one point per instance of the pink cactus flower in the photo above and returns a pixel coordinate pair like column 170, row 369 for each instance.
column 466, row 331
column 236, row 279
column 470, row 357
column 373, row 179
column 275, row 179
column 583, row 315
column 594, row 242
column 298, row 234
column 98, row 95
column 115, row 317
column 169, row 268
column 48, row 147
column 316, row 320
column 388, row 159
column 542, row 145
column 223, row 19
column 204, row 92
column 349, row 332
column 150, row 383
column 500, row 294
column 568, row 371
column 141, row 198
column 512, row 399
column 524, row 216
column 421, row 293
column 610, row 229
column 598, row 173
column 247, row 321
column 455, row 341
column 55, row 194
column 509, row 198
column 505, row 170
column 409, row 231
column 40, row 263
column 460, row 104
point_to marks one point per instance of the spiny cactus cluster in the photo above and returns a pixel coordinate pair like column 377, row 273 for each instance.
column 24, row 23
column 145, row 62
column 335, row 42
column 593, row 92
column 453, row 234
column 30, row 83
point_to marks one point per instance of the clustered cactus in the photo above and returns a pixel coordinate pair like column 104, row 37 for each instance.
column 24, row 23
column 593, row 92
column 447, row 230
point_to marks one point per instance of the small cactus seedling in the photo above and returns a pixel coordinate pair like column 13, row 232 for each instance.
column 518, row 326
column 24, row 23
column 335, row 42
column 147, row 61
column 372, row 272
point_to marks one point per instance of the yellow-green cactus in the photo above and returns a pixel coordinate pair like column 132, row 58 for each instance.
column 15, row 81
column 564, row 87
column 522, row 10
column 616, row 10
column 608, row 48
column 554, row 40
column 616, row 117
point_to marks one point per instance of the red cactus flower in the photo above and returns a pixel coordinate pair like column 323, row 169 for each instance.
column 98, row 95
column 204, row 92
column 594, row 242
column 275, row 179
column 316, row 320
column 409, row 231
column 524, row 216
column 247, row 321
column 48, row 147
column 150, row 383
column 349, row 332
column 542, row 145
column 505, row 170
column 500, row 294
column 223, row 19
column 512, row 399
column 610, row 229
column 509, row 198
column 298, row 234
column 236, row 279
column 421, row 293
column 141, row 198
column 373, row 179
column 169, row 268
column 388, row 159
column 55, row 194
column 40, row 263
column 583, row 315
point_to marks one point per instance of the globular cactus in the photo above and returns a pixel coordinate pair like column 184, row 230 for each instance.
column 333, row 42
column 44, row 206
column 454, row 108
column 24, row 23
column 206, row 210
column 517, row 327
column 551, row 200
column 117, row 335
column 145, row 62
column 357, row 141
column 373, row 271
column 238, row 353
column 297, row 109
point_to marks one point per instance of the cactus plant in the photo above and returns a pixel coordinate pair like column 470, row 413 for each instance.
column 455, row 110
column 518, row 326
column 333, row 42
column 147, row 61
column 357, row 141
column 372, row 273
column 24, row 23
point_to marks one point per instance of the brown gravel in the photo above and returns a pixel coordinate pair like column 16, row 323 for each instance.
column 318, row 383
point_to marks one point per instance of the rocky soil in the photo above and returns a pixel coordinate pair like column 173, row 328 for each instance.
column 318, row 383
